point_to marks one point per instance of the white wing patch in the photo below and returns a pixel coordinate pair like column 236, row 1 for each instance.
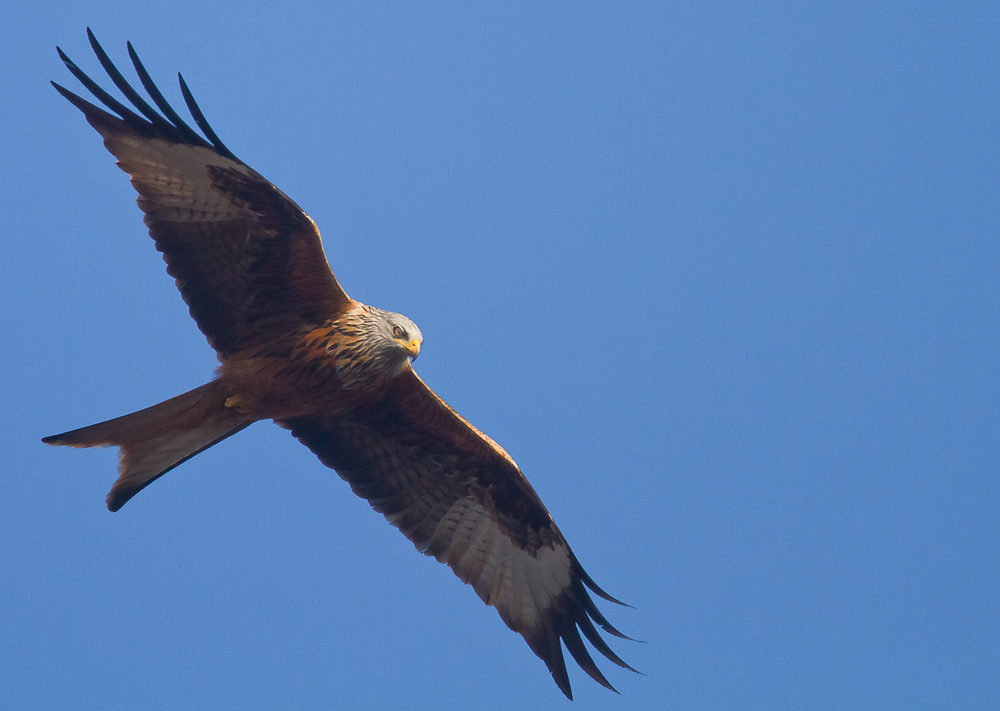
column 521, row 586
column 173, row 179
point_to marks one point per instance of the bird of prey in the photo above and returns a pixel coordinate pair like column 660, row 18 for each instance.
column 296, row 349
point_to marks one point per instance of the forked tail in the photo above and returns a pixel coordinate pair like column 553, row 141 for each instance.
column 155, row 440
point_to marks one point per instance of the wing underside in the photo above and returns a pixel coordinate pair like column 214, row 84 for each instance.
column 459, row 498
column 247, row 260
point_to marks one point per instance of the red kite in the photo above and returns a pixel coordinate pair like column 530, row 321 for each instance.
column 296, row 349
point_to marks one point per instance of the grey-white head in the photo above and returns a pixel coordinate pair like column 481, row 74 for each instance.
column 397, row 334
column 387, row 343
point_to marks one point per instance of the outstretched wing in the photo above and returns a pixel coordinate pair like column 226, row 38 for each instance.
column 460, row 498
column 248, row 261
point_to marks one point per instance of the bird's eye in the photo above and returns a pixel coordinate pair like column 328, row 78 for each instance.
column 397, row 332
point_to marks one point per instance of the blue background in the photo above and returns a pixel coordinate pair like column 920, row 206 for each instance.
column 722, row 277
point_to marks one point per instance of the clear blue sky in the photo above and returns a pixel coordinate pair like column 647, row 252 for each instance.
column 722, row 277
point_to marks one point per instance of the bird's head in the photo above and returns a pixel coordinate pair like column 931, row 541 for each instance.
column 398, row 333
column 381, row 346
column 406, row 334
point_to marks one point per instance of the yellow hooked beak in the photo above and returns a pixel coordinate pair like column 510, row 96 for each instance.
column 413, row 347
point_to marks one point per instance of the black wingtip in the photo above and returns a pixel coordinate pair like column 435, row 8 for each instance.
column 167, row 125
column 116, row 499
column 69, row 95
column 199, row 118
column 571, row 638
column 562, row 680
column 161, row 103
column 104, row 97
column 590, row 632
column 124, row 87
column 596, row 589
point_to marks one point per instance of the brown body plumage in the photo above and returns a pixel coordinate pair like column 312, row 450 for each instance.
column 294, row 348
column 338, row 365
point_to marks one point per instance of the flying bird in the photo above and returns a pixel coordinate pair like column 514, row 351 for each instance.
column 296, row 349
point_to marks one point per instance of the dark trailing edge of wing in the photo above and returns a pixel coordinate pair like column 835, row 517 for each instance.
column 171, row 128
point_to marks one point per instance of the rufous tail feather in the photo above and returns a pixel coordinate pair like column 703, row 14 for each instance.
column 155, row 440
